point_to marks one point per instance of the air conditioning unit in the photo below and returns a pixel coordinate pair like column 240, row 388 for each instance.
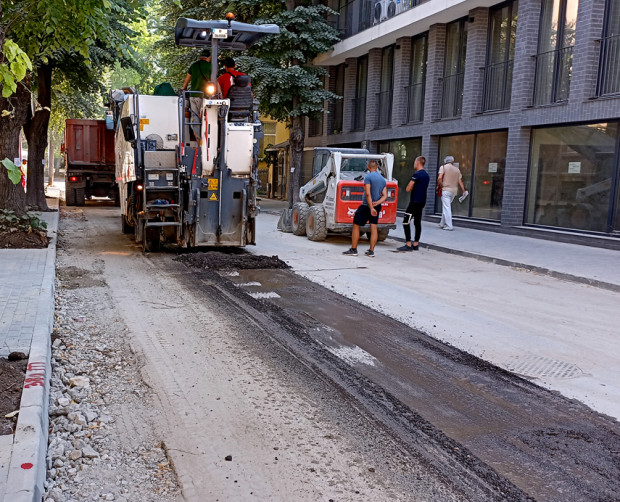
column 384, row 9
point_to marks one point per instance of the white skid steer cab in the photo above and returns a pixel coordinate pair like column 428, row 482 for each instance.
column 331, row 197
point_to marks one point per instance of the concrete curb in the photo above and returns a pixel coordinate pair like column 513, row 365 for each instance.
column 27, row 469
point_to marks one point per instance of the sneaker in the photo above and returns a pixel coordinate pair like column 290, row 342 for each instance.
column 350, row 252
column 448, row 228
column 369, row 253
column 405, row 248
column 441, row 226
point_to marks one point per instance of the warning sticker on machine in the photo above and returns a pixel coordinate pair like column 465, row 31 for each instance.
column 213, row 196
column 213, row 183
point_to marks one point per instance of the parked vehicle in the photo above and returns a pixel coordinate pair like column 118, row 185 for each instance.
column 89, row 161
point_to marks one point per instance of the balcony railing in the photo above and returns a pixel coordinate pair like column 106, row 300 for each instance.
column 609, row 67
column 553, row 73
column 415, row 102
column 359, row 15
column 359, row 113
column 452, row 96
column 497, row 86
column 384, row 100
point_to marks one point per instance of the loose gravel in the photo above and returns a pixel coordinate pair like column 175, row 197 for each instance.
column 100, row 444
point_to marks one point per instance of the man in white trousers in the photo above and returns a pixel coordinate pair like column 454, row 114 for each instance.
column 449, row 180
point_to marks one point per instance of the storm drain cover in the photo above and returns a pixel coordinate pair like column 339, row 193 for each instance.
column 539, row 367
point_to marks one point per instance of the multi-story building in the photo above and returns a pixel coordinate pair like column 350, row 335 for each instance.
column 525, row 94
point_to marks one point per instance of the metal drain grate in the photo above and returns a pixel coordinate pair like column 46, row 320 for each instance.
column 539, row 366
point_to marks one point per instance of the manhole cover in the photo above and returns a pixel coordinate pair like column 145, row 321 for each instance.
column 539, row 366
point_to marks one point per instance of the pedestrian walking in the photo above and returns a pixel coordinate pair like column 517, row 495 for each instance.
column 375, row 194
column 449, row 180
column 418, row 186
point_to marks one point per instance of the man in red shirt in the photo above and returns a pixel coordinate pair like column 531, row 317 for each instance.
column 227, row 79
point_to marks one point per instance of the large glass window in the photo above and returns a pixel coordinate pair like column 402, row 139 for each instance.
column 609, row 66
column 498, row 72
column 359, row 102
column 337, row 106
column 571, row 174
column 481, row 159
column 554, row 62
column 387, row 87
column 454, row 69
column 417, row 80
column 405, row 152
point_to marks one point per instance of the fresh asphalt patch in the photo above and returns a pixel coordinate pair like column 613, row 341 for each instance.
column 492, row 434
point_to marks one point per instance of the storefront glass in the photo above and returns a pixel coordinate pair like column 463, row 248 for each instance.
column 571, row 171
column 482, row 160
column 405, row 152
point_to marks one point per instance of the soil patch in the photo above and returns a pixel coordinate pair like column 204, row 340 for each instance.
column 20, row 239
column 74, row 278
column 12, row 374
column 235, row 260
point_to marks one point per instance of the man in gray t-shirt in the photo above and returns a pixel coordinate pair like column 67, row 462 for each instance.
column 375, row 194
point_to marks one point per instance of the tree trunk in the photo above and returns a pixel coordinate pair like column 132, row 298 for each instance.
column 12, row 197
column 36, row 135
column 296, row 140
column 50, row 161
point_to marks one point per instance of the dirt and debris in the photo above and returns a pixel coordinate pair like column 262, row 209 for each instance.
column 12, row 374
column 232, row 260
column 25, row 232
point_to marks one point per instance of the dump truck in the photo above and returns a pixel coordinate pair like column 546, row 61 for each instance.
column 88, row 152
column 330, row 198
column 188, row 178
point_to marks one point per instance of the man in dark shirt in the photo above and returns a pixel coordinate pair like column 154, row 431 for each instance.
column 417, row 186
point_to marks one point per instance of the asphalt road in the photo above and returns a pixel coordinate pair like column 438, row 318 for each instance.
column 355, row 405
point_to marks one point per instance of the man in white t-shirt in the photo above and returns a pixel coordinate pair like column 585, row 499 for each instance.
column 449, row 179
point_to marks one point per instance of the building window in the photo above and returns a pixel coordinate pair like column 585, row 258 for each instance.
column 554, row 62
column 572, row 175
column 405, row 152
column 482, row 159
column 384, row 96
column 359, row 102
column 337, row 106
column 417, row 80
column 454, row 69
column 609, row 66
column 500, row 56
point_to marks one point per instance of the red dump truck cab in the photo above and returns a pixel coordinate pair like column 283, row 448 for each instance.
column 350, row 195
column 89, row 161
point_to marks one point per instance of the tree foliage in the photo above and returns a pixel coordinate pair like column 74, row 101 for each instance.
column 14, row 63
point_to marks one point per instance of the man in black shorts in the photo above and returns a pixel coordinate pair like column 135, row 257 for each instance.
column 375, row 193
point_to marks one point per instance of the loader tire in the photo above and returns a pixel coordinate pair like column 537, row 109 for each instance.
column 298, row 220
column 382, row 234
column 316, row 224
column 80, row 196
column 70, row 197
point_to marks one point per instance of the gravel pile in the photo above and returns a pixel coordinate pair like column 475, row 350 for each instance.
column 100, row 443
column 232, row 260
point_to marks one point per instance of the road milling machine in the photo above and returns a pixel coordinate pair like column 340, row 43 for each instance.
column 187, row 178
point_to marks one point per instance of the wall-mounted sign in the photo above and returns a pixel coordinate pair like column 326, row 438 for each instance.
column 574, row 167
column 492, row 167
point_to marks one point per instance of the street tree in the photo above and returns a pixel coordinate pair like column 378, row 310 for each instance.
column 75, row 38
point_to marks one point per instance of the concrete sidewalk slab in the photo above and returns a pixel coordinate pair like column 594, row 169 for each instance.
column 26, row 322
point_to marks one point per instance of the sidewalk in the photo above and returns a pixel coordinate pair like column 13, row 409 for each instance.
column 26, row 321
column 585, row 264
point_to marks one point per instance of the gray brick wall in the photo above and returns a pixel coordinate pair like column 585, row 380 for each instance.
column 374, row 87
column 350, row 73
column 519, row 121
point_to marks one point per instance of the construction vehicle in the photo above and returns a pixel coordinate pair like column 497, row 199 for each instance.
column 88, row 151
column 186, row 178
column 330, row 198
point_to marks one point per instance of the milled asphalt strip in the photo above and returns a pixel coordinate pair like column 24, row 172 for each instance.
column 507, row 263
column 27, row 469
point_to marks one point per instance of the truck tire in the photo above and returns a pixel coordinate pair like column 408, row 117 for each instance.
column 298, row 219
column 127, row 228
column 316, row 224
column 69, row 196
column 79, row 196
